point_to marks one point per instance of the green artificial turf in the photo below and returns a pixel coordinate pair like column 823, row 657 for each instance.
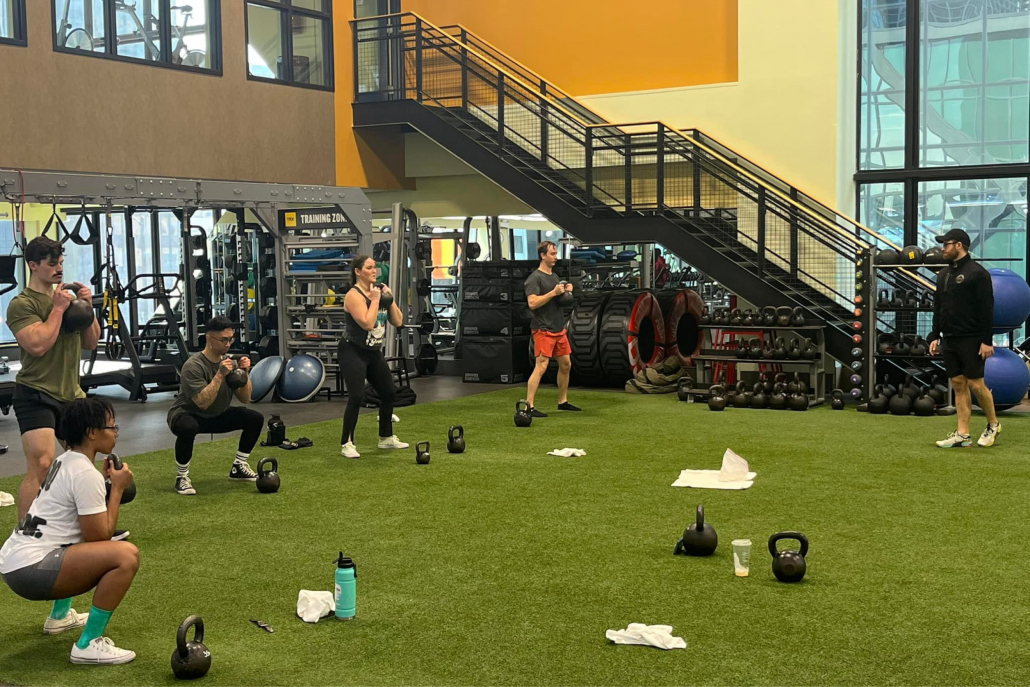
column 505, row 566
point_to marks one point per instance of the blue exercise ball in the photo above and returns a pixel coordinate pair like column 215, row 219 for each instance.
column 264, row 376
column 1008, row 378
column 302, row 379
column 1011, row 300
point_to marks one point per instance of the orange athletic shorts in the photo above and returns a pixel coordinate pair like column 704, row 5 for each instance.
column 550, row 345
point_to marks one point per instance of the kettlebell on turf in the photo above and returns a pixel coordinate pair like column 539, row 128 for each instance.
column 683, row 389
column 878, row 403
column 900, row 404
column 422, row 453
column 699, row 539
column 268, row 479
column 522, row 416
column 837, row 402
column 128, row 494
column 789, row 565
column 740, row 399
column 798, row 401
column 191, row 660
column 778, row 399
column 924, row 406
column 456, row 439
column 758, row 399
column 717, row 397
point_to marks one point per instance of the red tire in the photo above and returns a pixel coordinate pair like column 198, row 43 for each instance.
column 682, row 311
column 632, row 335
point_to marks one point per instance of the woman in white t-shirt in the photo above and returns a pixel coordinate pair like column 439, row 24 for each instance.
column 63, row 546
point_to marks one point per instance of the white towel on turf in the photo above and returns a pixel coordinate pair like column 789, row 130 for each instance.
column 567, row 452
column 313, row 606
column 6, row 499
column 733, row 475
column 647, row 635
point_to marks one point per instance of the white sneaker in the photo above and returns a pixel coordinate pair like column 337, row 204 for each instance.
column 987, row 438
column 391, row 442
column 395, row 419
column 68, row 622
column 101, row 651
column 184, row 486
column 349, row 451
column 955, row 440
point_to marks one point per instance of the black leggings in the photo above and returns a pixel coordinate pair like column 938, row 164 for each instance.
column 358, row 364
column 186, row 427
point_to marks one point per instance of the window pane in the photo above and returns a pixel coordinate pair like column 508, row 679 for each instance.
column 882, row 78
column 317, row 5
column 144, row 262
column 265, row 46
column 139, row 29
column 6, row 18
column 79, row 25
column 882, row 209
column 192, row 42
column 974, row 102
column 309, row 50
column 7, row 248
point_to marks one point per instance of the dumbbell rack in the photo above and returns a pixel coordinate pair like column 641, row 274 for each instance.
column 816, row 367
column 302, row 297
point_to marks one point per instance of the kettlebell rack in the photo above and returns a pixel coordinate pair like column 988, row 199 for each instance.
column 815, row 366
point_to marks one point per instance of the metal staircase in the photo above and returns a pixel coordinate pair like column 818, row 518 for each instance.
column 613, row 183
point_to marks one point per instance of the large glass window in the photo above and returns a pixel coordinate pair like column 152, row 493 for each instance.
column 290, row 42
column 176, row 35
column 12, row 21
column 882, row 209
column 882, row 98
column 975, row 82
column 7, row 247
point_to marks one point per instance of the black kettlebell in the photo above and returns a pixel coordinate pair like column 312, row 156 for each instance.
column 706, row 317
column 938, row 392
column 919, row 346
column 699, row 539
column 422, row 454
column 735, row 318
column 237, row 379
column 741, row 399
column 837, row 402
column 780, row 350
column 888, row 388
column 783, row 314
column 809, row 352
column 911, row 299
column 798, row 317
column 566, row 300
column 268, row 480
column 191, row 660
column 885, row 343
column 742, row 350
column 898, row 299
column 794, row 352
column 778, row 399
column 768, row 353
column 789, row 565
column 522, row 416
column 456, row 439
column 767, row 385
column 801, row 385
column 717, row 397
column 883, row 301
column 902, row 347
column 385, row 299
column 798, row 401
column 769, row 316
column 878, row 403
column 900, row 404
column 128, row 494
column 758, row 398
column 683, row 389
column 79, row 314
column 924, row 406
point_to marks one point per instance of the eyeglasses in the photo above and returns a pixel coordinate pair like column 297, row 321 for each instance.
column 225, row 340
column 950, row 243
column 112, row 427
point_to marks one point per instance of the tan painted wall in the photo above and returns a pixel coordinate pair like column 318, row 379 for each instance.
column 80, row 113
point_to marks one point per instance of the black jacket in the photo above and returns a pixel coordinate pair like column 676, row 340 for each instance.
column 964, row 302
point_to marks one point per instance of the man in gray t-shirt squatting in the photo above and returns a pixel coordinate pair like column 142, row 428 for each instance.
column 543, row 289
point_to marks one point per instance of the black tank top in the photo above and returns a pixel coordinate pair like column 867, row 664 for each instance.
column 359, row 336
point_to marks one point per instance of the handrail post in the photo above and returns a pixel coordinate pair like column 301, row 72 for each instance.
column 464, row 71
column 761, row 231
column 543, row 122
column 355, row 34
column 589, row 171
column 629, row 174
column 795, row 228
column 500, row 112
column 660, row 170
column 696, row 180
column 418, row 60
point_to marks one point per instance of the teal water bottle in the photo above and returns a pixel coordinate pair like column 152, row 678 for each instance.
column 346, row 588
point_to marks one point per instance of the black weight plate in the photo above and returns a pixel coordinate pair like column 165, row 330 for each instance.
column 427, row 359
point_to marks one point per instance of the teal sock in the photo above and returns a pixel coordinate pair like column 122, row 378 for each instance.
column 95, row 626
column 61, row 608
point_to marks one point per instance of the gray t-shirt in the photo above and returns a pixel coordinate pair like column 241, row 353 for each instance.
column 197, row 373
column 548, row 317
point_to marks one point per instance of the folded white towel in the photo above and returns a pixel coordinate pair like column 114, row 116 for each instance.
column 567, row 452
column 734, row 474
column 647, row 635
column 6, row 499
column 313, row 606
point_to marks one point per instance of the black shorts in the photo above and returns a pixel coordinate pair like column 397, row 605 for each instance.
column 36, row 410
column 36, row 582
column 961, row 355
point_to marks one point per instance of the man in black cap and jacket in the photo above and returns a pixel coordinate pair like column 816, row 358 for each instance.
column 963, row 316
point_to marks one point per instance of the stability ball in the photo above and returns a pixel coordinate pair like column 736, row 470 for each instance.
column 302, row 379
column 1011, row 300
column 1007, row 376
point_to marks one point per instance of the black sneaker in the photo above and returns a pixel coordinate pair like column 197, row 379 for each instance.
column 184, row 486
column 241, row 472
column 567, row 406
column 120, row 535
column 533, row 412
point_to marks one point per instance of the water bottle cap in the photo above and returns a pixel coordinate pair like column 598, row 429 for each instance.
column 346, row 562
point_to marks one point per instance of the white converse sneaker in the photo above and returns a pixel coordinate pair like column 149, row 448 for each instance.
column 391, row 442
column 349, row 451
column 68, row 622
column 101, row 651
column 184, row 486
column 956, row 440
column 989, row 435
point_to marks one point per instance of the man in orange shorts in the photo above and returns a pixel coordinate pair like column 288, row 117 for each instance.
column 543, row 291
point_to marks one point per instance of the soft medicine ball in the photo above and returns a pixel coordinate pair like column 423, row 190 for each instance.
column 888, row 256
column 1007, row 376
column 1011, row 300
column 934, row 256
column 911, row 255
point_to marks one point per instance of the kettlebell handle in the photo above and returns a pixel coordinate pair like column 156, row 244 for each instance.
column 522, row 406
column 460, row 432
column 700, row 517
column 196, row 622
column 261, row 466
column 788, row 535
column 419, row 445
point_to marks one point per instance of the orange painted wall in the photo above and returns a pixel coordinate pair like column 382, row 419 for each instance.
column 604, row 46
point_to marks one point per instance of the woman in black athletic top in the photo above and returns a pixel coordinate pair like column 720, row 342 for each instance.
column 361, row 353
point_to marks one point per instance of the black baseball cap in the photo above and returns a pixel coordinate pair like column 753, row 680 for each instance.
column 955, row 235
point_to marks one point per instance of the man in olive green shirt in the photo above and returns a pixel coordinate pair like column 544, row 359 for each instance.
column 49, row 375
